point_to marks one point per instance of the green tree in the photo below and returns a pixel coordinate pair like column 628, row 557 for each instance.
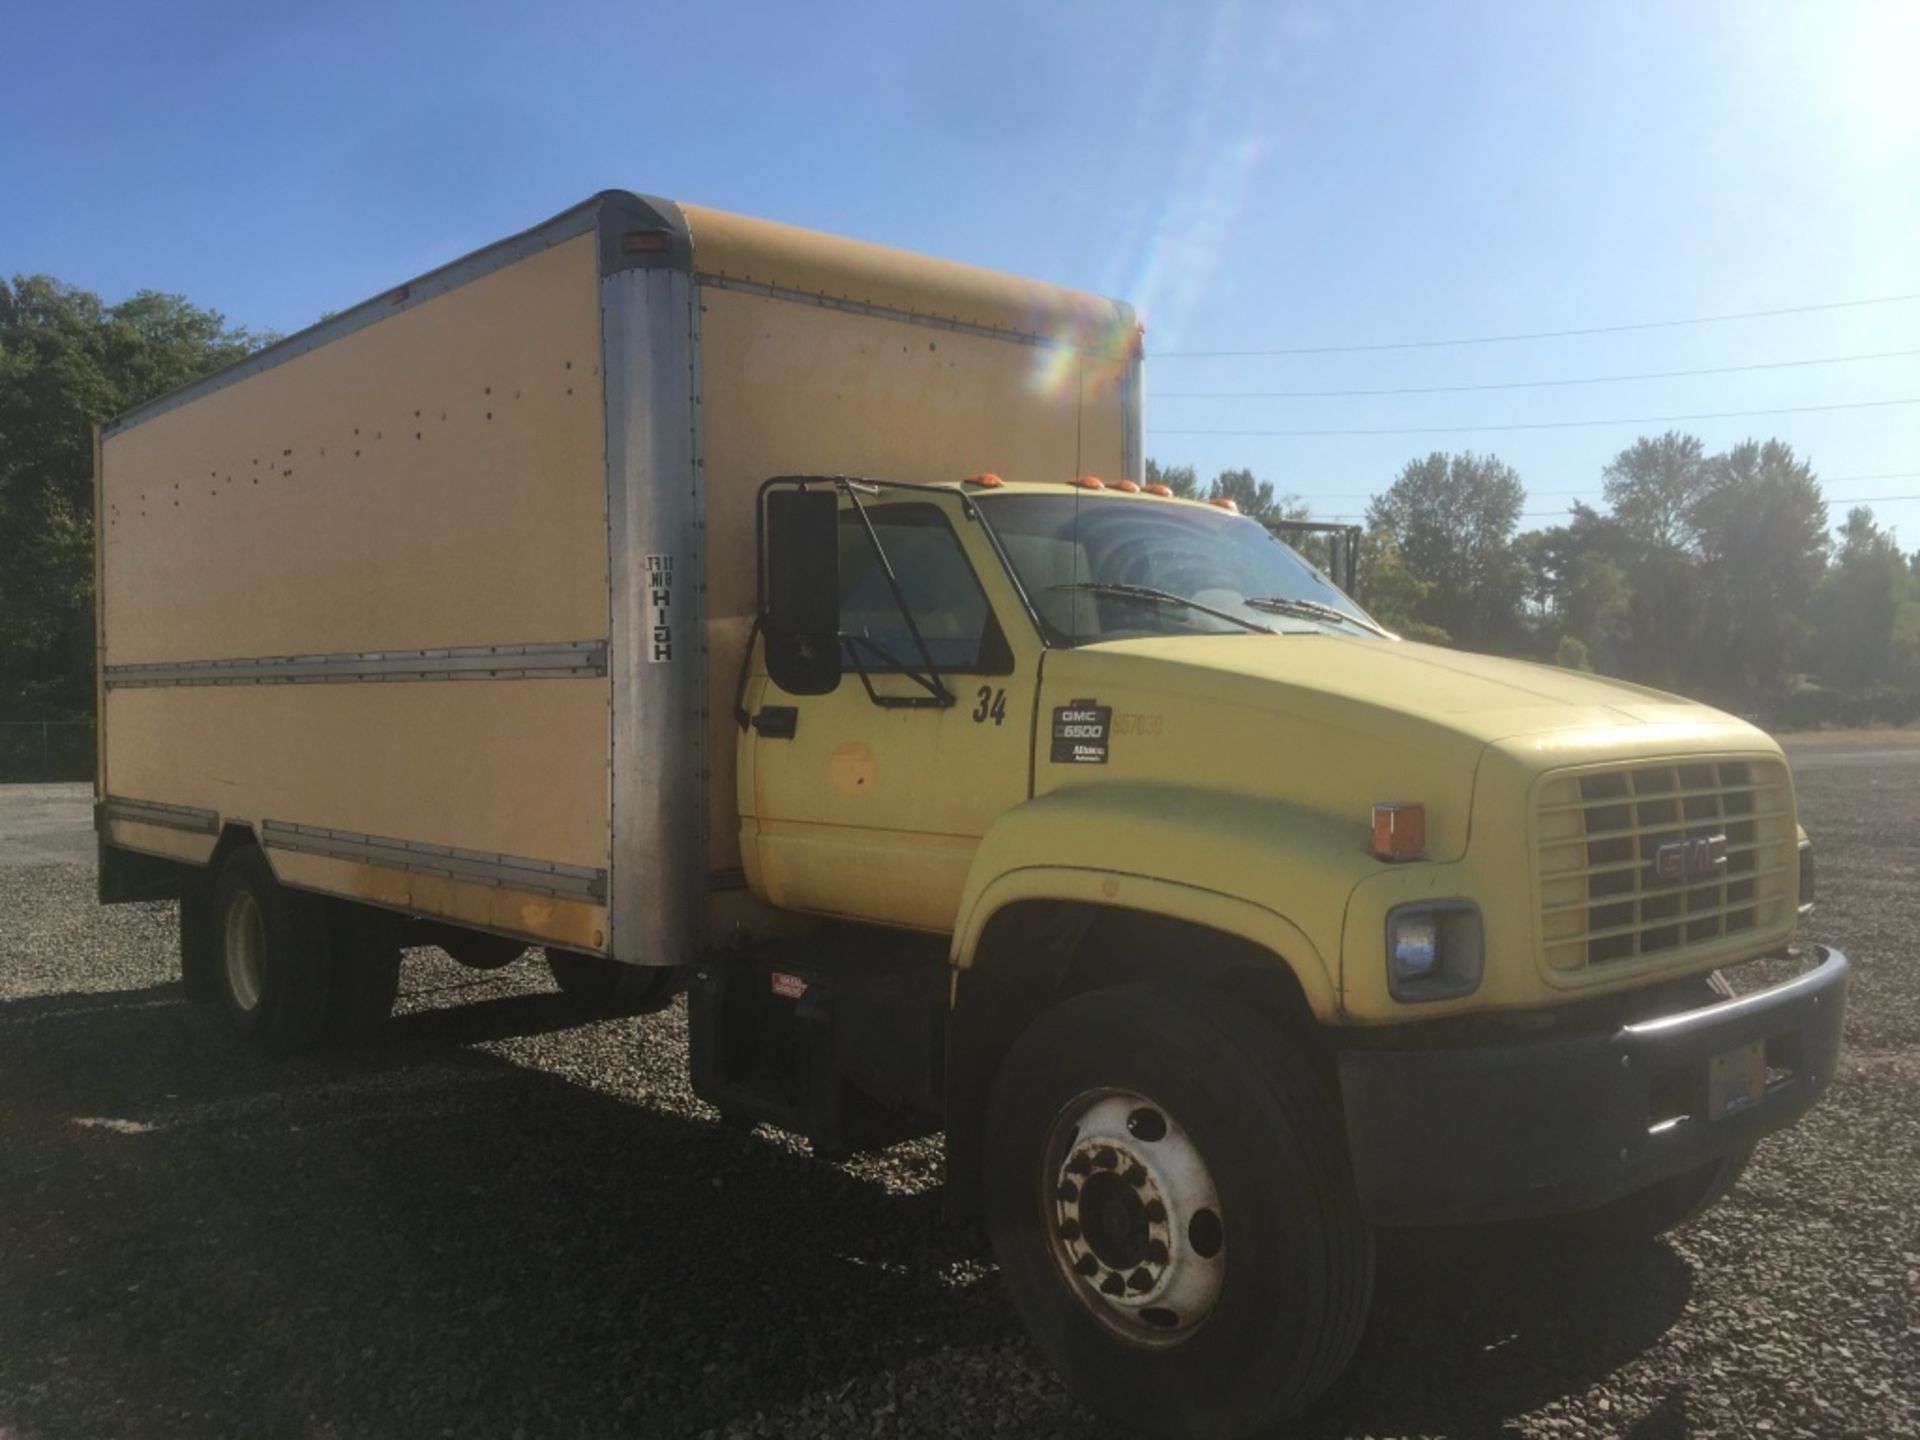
column 1653, row 488
column 1255, row 497
column 1760, row 529
column 69, row 361
column 1392, row 593
column 1452, row 517
column 1571, row 654
column 1580, row 585
column 1861, row 604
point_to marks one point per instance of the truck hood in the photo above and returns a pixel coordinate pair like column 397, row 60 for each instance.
column 1343, row 679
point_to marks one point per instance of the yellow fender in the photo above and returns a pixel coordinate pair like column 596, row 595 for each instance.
column 1274, row 876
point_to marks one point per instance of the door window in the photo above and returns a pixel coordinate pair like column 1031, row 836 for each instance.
column 940, row 588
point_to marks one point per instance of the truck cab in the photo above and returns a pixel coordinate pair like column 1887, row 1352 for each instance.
column 1172, row 800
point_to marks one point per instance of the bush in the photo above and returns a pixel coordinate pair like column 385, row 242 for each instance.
column 1571, row 654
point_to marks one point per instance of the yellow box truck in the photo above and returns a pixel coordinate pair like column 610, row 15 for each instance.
column 727, row 607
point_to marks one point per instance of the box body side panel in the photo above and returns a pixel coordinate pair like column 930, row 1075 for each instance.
column 434, row 482
column 436, row 479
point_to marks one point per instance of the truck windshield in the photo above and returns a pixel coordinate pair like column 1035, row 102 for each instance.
column 1106, row 568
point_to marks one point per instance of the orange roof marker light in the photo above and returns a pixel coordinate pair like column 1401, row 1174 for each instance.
column 986, row 481
column 1225, row 504
column 1164, row 490
column 1088, row 482
column 1400, row 830
column 1128, row 486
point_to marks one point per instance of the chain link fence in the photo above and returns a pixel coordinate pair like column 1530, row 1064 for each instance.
column 46, row 750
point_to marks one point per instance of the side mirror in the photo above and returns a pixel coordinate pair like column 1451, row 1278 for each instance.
column 801, row 617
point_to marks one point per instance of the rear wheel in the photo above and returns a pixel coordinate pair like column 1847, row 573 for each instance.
column 610, row 985
column 272, row 970
column 1169, row 1199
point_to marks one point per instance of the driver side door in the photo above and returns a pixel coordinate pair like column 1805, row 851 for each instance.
column 868, row 801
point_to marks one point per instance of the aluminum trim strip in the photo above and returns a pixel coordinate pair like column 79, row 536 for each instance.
column 905, row 317
column 507, row 872
column 567, row 660
column 170, row 817
column 657, row 905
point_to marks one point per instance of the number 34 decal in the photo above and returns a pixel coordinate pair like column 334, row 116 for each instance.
column 992, row 706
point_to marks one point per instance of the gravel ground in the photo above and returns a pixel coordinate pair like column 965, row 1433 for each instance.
column 501, row 1221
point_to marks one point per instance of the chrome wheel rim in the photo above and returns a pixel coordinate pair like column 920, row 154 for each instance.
column 1135, row 1222
column 246, row 950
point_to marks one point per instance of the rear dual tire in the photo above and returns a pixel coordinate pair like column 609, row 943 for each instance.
column 271, row 956
column 288, row 968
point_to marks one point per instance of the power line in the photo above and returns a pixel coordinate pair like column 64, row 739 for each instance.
column 1526, row 384
column 1862, row 500
column 1560, row 424
column 1539, row 334
column 1568, row 509
column 1589, row 495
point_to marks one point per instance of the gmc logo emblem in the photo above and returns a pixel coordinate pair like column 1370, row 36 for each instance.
column 1681, row 861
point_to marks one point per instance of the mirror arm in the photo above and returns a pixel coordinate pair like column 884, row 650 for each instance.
column 937, row 696
column 931, row 679
column 746, row 667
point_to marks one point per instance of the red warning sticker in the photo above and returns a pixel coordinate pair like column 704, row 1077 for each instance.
column 790, row 987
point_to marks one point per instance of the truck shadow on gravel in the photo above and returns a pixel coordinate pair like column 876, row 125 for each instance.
column 422, row 1238
column 1471, row 1328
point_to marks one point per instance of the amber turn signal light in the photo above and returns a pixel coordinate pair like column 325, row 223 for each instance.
column 1400, row 830
column 646, row 242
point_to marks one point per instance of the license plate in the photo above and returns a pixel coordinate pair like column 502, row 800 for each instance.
column 1736, row 1079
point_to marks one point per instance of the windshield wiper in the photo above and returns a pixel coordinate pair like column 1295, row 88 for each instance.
column 1312, row 610
column 1162, row 597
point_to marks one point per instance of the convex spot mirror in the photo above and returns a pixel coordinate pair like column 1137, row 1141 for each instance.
column 801, row 621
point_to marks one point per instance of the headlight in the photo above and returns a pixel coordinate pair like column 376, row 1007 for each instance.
column 1434, row 950
column 1806, row 876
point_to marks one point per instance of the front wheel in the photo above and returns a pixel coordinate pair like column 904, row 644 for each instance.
column 1169, row 1199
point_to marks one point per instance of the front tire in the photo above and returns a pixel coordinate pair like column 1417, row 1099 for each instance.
column 271, row 972
column 1169, row 1198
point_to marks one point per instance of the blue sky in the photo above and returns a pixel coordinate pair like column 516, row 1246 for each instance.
column 1252, row 176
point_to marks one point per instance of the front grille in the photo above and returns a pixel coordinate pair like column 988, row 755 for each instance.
column 1598, row 840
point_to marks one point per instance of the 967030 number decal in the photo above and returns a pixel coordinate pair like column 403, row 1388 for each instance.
column 992, row 706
